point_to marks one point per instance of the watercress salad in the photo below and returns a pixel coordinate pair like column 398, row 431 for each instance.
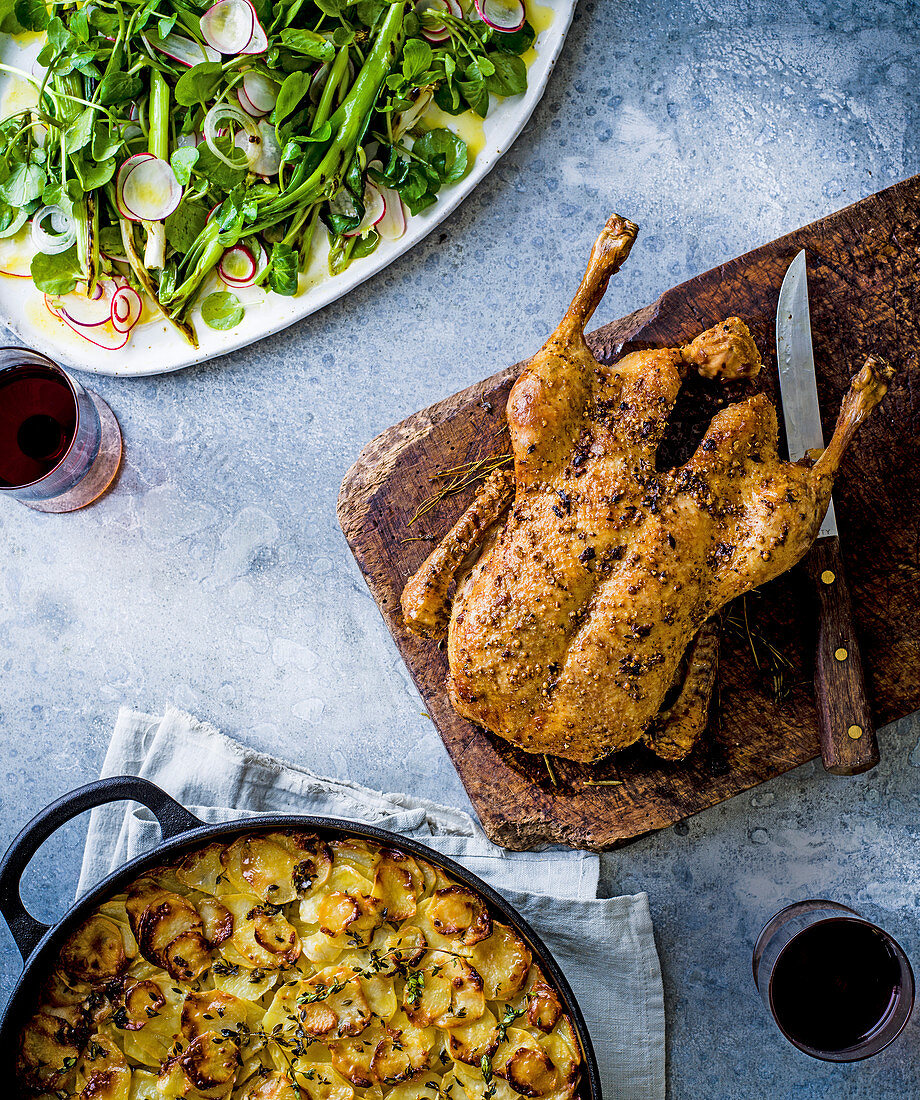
column 171, row 138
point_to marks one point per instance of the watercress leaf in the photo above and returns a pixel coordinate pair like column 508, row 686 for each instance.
column 445, row 153
column 307, row 42
column 365, row 244
column 417, row 57
column 515, row 42
column 182, row 161
column 105, row 22
column 199, row 84
column 332, row 7
column 282, row 274
column 118, row 87
column 9, row 24
column 212, row 168
column 105, row 143
column 292, row 91
column 31, row 14
column 80, row 131
column 93, row 173
column 222, row 310
column 79, row 24
column 447, row 97
column 484, row 65
column 165, row 25
column 24, row 185
column 476, row 94
column 369, row 11
column 509, row 77
column 184, row 225
column 56, row 274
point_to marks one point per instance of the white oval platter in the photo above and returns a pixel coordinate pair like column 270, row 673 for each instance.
column 155, row 348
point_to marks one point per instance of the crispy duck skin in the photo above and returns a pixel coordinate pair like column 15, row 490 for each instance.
column 569, row 631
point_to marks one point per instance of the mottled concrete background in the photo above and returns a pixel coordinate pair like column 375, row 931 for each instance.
column 215, row 575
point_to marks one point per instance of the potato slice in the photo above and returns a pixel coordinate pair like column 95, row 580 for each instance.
column 262, row 937
column 216, row 920
column 48, row 1051
column 168, row 930
column 240, row 981
column 208, row 1064
column 353, row 1056
column 143, row 1001
column 473, row 1041
column 202, row 870
column 447, row 994
column 276, row 1086
column 404, row 1052
column 543, row 1006
column 398, row 885
column 393, row 950
column 96, row 951
column 102, row 1072
column 219, row 1013
column 502, row 961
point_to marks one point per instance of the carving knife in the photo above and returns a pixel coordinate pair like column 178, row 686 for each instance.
column 845, row 726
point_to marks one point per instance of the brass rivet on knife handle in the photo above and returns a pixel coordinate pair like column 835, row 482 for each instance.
column 845, row 725
column 828, row 577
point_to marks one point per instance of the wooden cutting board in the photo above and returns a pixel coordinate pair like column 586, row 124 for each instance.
column 864, row 275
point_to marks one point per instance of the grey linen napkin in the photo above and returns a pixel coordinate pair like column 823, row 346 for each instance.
column 605, row 946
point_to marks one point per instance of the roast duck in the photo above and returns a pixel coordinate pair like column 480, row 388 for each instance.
column 589, row 619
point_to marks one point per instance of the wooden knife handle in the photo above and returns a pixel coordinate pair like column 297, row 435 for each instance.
column 845, row 726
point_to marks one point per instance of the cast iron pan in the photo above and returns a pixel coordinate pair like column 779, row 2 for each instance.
column 182, row 831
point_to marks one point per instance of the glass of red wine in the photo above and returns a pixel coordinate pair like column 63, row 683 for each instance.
column 60, row 445
column 838, row 987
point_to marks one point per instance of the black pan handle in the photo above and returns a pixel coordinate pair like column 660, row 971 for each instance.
column 173, row 818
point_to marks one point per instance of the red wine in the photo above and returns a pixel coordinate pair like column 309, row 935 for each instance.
column 38, row 418
column 834, row 984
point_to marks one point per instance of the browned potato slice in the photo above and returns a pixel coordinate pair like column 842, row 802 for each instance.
column 102, row 1072
column 357, row 853
column 63, row 991
column 313, row 860
column 404, row 1051
column 276, row 866
column 502, row 962
column 395, row 950
column 473, row 1041
column 398, row 885
column 457, row 911
column 96, row 951
column 210, row 1065
column 215, row 1011
column 530, row 1072
column 565, row 1051
column 168, row 929
column 216, row 920
column 143, row 1001
column 48, row 1051
column 353, row 1056
column 543, row 1006
column 263, row 937
column 276, row 1086
column 184, row 958
column 448, row 993
column 332, row 1004
column 202, row 869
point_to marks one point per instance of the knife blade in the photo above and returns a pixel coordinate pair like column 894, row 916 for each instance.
column 845, row 726
column 797, row 383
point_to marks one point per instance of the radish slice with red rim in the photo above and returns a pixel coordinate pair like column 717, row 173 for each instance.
column 184, row 50
column 228, row 25
column 122, row 175
column 393, row 223
column 103, row 336
column 246, row 103
column 149, row 190
column 83, row 311
column 437, row 31
column 238, row 266
column 262, row 150
column 127, row 308
column 374, row 209
column 502, row 15
column 258, row 43
column 261, row 92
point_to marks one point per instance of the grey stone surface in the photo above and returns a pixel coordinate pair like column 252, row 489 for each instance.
column 215, row 574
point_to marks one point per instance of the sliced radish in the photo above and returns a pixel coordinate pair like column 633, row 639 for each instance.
column 237, row 266
column 16, row 254
column 184, row 50
column 65, row 232
column 342, row 204
column 87, row 312
column 149, row 190
column 393, row 223
column 437, row 32
column 246, row 103
column 502, row 15
column 103, row 336
column 258, row 42
column 122, row 175
column 374, row 209
column 261, row 92
column 127, row 308
column 262, row 151
column 228, row 25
